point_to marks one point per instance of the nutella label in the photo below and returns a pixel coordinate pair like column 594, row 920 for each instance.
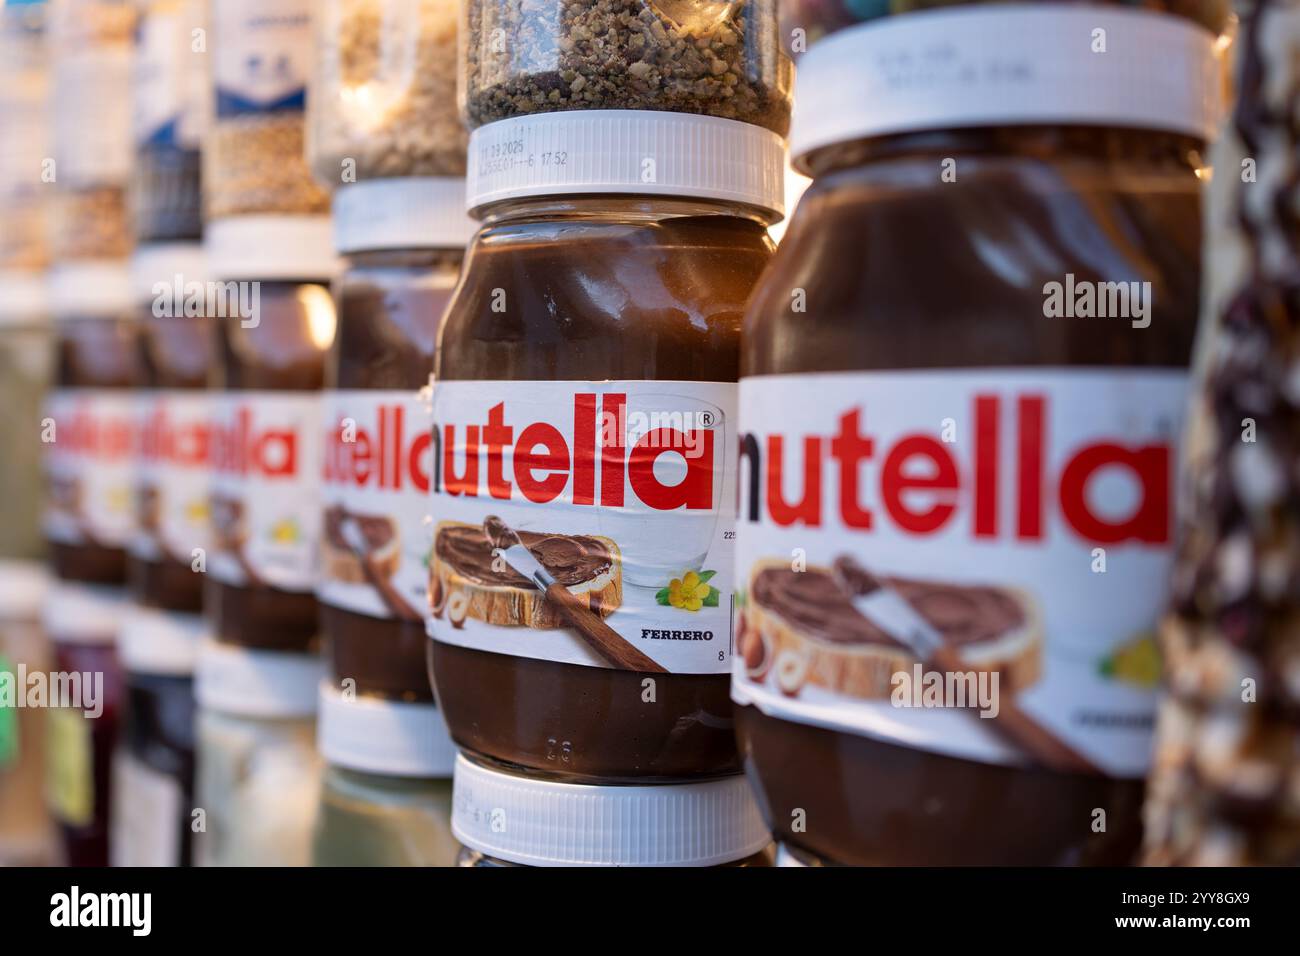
column 378, row 474
column 175, row 442
column 265, row 503
column 90, row 439
column 585, row 522
column 942, row 559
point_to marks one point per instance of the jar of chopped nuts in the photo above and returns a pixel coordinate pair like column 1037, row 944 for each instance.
column 383, row 97
column 719, row 58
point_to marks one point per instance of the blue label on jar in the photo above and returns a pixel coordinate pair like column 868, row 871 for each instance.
column 263, row 56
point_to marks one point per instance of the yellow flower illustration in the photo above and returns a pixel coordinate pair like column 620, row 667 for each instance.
column 285, row 531
column 688, row 592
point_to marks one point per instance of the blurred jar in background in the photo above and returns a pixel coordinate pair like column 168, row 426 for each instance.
column 169, row 82
column 91, row 43
column 82, row 714
column 24, row 255
column 24, row 136
column 26, row 835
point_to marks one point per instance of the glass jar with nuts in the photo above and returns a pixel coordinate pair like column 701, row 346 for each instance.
column 710, row 57
column 383, row 95
column 254, row 161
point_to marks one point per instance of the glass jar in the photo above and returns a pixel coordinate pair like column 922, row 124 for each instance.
column 174, row 414
column 83, row 726
column 153, row 774
column 26, row 358
column 268, row 372
column 26, row 832
column 566, row 303
column 169, row 83
column 258, row 773
column 383, row 98
column 504, row 819
column 91, row 57
column 1217, row 794
column 254, row 161
column 373, row 820
column 682, row 56
column 386, row 796
column 90, row 423
column 379, row 461
column 961, row 426
column 24, row 137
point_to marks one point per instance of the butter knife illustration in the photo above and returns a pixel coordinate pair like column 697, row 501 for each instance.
column 888, row 610
column 602, row 638
column 355, row 539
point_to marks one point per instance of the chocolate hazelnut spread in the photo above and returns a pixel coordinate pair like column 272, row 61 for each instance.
column 563, row 300
column 913, row 400
column 89, row 428
column 269, row 368
column 571, row 559
column 174, row 441
column 403, row 241
column 816, row 603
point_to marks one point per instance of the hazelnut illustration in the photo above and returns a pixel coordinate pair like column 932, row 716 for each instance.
column 437, row 596
column 791, row 671
column 756, row 647
column 458, row 609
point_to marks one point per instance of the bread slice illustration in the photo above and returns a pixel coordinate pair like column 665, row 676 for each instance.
column 339, row 562
column 464, row 573
column 797, row 628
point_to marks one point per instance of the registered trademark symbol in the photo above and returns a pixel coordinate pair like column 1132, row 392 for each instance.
column 706, row 419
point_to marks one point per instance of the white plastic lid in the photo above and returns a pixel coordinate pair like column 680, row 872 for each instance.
column 154, row 641
column 393, row 738
column 22, row 297
column 544, row 823
column 255, row 683
column 93, row 288
column 631, row 152
column 23, row 586
column 169, row 263
column 1008, row 64
column 78, row 613
column 270, row 247
column 414, row 212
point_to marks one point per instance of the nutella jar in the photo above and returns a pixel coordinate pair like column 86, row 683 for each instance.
column 271, row 343
column 170, row 543
column 26, row 353
column 506, row 820
column 258, row 773
column 153, row 770
column 386, row 792
column 89, row 427
column 403, row 240
column 580, row 581
column 963, row 383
